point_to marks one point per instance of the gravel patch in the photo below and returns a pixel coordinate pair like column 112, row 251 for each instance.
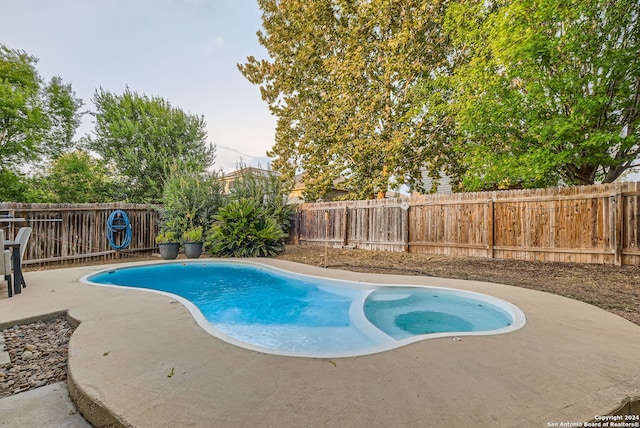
column 38, row 354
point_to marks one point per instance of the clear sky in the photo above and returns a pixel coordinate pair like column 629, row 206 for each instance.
column 184, row 51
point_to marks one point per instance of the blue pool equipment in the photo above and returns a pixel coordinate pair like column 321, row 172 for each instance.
column 117, row 223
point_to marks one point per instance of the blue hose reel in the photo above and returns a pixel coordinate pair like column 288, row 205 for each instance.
column 117, row 223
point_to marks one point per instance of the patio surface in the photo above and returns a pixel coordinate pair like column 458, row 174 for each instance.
column 569, row 363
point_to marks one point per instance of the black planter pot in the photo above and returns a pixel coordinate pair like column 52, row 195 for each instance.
column 192, row 250
column 169, row 251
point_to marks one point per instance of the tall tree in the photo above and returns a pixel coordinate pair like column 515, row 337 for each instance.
column 547, row 92
column 340, row 80
column 37, row 120
column 14, row 186
column 144, row 137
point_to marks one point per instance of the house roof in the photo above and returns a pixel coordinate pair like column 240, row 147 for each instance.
column 299, row 183
column 249, row 170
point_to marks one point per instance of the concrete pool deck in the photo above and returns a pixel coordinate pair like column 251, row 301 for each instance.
column 139, row 359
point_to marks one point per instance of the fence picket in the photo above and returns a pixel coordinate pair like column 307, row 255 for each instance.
column 587, row 224
column 76, row 232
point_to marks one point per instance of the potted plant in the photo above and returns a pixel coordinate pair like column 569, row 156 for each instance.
column 168, row 244
column 192, row 240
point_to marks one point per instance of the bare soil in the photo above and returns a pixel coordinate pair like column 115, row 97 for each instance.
column 613, row 288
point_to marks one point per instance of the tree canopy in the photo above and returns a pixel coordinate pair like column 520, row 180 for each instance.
column 36, row 118
column 545, row 92
column 144, row 137
column 75, row 177
column 340, row 80
column 139, row 138
column 503, row 94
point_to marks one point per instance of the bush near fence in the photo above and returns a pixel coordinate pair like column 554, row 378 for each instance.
column 78, row 232
column 585, row 224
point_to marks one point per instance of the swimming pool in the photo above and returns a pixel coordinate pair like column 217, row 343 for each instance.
column 274, row 311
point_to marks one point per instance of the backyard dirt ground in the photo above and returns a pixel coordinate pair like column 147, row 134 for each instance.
column 613, row 288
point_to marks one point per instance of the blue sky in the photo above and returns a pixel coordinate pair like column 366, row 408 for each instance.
column 184, row 51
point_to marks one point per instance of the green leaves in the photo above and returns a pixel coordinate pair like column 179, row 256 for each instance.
column 244, row 229
column 189, row 200
column 268, row 190
column 76, row 178
column 256, row 219
column 37, row 119
column 516, row 93
column 341, row 80
column 548, row 92
column 144, row 137
column 37, row 122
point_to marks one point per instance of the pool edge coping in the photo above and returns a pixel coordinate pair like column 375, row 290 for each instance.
column 517, row 315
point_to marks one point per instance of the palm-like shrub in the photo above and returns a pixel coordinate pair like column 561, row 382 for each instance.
column 244, row 229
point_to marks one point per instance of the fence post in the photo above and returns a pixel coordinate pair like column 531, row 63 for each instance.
column 299, row 228
column 405, row 206
column 66, row 234
column 345, row 228
column 296, row 226
column 618, row 224
column 490, row 226
column 326, row 238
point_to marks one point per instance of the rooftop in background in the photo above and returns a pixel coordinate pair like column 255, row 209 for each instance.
column 444, row 183
column 297, row 193
column 230, row 178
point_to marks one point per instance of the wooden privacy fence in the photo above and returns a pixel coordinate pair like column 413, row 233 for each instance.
column 63, row 232
column 586, row 224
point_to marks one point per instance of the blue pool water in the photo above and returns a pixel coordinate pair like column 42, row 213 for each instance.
column 279, row 312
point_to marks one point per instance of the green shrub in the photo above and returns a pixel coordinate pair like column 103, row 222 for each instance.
column 244, row 229
column 269, row 191
column 189, row 200
column 193, row 234
column 167, row 238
